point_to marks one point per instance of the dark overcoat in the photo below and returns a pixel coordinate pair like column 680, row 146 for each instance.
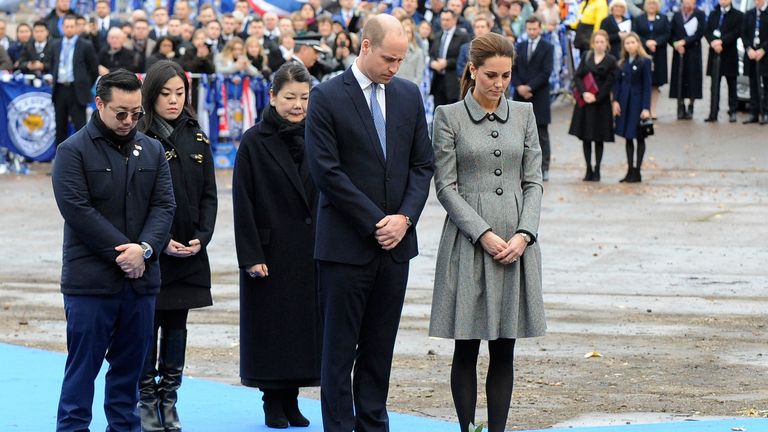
column 658, row 30
column 274, row 207
column 535, row 72
column 693, row 70
column 187, row 281
column 593, row 122
column 748, row 36
column 108, row 198
column 611, row 27
column 730, row 32
column 632, row 90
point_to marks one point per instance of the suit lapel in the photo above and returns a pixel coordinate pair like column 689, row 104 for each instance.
column 355, row 93
column 279, row 152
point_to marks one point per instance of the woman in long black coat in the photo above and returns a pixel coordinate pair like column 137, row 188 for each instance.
column 617, row 11
column 184, row 266
column 687, row 83
column 593, row 122
column 274, row 205
column 654, row 30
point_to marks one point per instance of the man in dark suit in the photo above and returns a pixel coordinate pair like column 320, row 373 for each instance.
column 755, row 38
column 38, row 53
column 103, row 22
column 530, row 79
column 75, row 68
column 374, row 182
column 723, row 31
column 113, row 189
column 443, row 53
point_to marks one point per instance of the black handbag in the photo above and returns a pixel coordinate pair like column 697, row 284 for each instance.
column 645, row 128
column 583, row 36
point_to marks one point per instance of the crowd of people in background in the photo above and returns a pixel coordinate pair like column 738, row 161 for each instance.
column 325, row 36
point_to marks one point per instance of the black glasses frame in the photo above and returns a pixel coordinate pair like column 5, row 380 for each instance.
column 122, row 115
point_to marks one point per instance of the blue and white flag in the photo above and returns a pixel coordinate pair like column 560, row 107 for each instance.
column 31, row 127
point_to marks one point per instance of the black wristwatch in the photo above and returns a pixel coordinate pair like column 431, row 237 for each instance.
column 147, row 250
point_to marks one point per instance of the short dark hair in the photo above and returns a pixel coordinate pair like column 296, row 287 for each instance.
column 119, row 79
column 288, row 73
column 449, row 11
column 70, row 17
column 533, row 19
column 40, row 23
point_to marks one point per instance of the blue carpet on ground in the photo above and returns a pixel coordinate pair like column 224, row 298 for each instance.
column 30, row 381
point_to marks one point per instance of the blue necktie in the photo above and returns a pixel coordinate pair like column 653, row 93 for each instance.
column 378, row 119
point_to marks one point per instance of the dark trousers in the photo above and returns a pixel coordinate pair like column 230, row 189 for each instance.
column 546, row 152
column 67, row 107
column 758, row 103
column 119, row 325
column 361, row 308
column 733, row 101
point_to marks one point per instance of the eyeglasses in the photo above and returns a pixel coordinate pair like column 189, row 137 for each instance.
column 122, row 115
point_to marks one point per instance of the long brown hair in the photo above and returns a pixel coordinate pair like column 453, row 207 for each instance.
column 640, row 50
column 480, row 50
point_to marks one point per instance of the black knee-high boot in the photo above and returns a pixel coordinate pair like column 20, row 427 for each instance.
column 149, row 403
column 291, row 408
column 173, row 345
column 274, row 415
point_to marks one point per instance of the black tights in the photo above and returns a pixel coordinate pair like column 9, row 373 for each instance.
column 631, row 152
column 587, row 147
column 498, row 384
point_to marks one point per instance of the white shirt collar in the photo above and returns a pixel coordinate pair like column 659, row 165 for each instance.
column 765, row 6
column 362, row 80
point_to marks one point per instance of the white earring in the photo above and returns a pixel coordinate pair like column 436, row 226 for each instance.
column 472, row 77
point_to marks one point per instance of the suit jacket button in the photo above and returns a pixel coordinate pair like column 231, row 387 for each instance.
column 497, row 152
column 308, row 221
column 498, row 173
column 499, row 191
column 495, row 134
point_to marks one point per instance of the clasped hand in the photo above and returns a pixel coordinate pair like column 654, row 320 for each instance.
column 390, row 231
column 178, row 250
column 505, row 252
column 131, row 260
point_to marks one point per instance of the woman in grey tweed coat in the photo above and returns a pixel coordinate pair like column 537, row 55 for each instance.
column 488, row 276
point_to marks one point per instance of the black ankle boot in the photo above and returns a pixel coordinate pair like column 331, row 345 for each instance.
column 628, row 176
column 274, row 416
column 589, row 174
column 596, row 174
column 291, row 409
column 634, row 176
column 689, row 113
column 149, row 403
column 681, row 112
column 173, row 344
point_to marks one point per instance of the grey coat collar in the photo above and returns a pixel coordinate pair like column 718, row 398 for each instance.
column 477, row 113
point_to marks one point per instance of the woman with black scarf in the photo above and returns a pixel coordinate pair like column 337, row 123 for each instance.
column 274, row 206
column 184, row 266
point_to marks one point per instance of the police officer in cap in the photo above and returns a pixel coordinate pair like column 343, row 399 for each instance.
column 307, row 52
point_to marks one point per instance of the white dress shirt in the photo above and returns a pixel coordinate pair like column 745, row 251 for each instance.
column 365, row 85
